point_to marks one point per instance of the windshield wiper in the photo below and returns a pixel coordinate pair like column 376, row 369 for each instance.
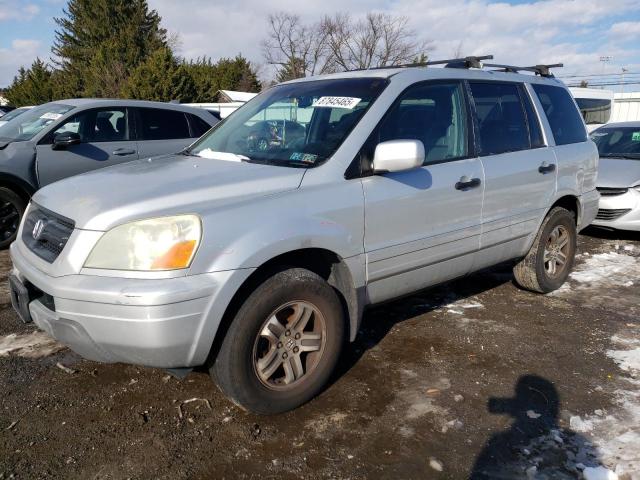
column 281, row 163
column 628, row 156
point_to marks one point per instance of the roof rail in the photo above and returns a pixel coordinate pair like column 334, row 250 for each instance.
column 542, row 70
column 466, row 62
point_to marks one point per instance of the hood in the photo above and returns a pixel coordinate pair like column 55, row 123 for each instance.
column 168, row 185
column 618, row 172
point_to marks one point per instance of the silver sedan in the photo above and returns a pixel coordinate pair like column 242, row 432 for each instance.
column 619, row 175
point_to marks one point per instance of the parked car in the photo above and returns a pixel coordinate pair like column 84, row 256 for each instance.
column 259, row 264
column 59, row 139
column 13, row 114
column 619, row 175
column 4, row 109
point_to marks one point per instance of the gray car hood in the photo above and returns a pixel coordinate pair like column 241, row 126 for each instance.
column 618, row 172
column 168, row 185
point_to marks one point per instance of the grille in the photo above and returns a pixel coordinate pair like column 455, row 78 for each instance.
column 611, row 214
column 46, row 233
column 612, row 192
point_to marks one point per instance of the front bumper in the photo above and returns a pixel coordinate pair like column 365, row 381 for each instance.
column 620, row 212
column 167, row 323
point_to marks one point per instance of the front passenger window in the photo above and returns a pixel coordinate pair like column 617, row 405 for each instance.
column 433, row 113
column 98, row 125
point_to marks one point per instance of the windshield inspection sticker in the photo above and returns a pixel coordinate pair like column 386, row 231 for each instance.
column 337, row 102
column 635, row 137
column 50, row 116
column 303, row 157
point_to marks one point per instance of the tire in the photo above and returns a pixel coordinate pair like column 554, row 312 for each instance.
column 535, row 273
column 255, row 345
column 12, row 208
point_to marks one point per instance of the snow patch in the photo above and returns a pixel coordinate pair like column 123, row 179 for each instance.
column 31, row 345
column 607, row 269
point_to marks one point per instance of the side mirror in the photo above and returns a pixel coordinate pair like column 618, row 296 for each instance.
column 398, row 156
column 64, row 140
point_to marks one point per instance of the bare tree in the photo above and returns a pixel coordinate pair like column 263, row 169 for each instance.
column 377, row 40
column 298, row 50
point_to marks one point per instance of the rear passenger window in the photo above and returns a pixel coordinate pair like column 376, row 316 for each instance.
column 433, row 113
column 501, row 118
column 564, row 118
column 160, row 124
column 198, row 125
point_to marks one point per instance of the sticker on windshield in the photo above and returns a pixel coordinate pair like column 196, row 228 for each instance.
column 635, row 137
column 303, row 157
column 51, row 116
column 337, row 102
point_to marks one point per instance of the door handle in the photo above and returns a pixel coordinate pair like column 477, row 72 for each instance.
column 467, row 183
column 123, row 151
column 546, row 168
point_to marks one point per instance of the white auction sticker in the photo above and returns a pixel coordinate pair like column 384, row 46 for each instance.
column 337, row 102
column 51, row 116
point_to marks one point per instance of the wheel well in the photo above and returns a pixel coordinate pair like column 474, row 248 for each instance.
column 324, row 263
column 17, row 186
column 569, row 202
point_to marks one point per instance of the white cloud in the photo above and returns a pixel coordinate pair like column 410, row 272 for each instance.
column 21, row 53
column 625, row 30
column 17, row 10
column 543, row 31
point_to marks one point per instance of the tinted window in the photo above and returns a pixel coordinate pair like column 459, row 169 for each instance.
column 160, row 124
column 565, row 120
column 198, row 126
column 501, row 119
column 98, row 125
column 433, row 113
column 535, row 130
column 594, row 110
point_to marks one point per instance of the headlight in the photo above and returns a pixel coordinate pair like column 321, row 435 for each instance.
column 165, row 243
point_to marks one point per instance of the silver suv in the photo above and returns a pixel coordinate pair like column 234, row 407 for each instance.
column 256, row 250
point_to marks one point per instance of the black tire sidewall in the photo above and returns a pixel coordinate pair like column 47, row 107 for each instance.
column 564, row 218
column 233, row 366
column 7, row 195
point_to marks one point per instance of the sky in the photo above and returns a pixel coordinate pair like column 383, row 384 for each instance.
column 574, row 32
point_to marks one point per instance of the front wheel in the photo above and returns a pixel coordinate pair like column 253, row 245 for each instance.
column 12, row 208
column 283, row 344
column 550, row 259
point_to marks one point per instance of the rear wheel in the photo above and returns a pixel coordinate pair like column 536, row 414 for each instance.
column 12, row 208
column 282, row 345
column 550, row 259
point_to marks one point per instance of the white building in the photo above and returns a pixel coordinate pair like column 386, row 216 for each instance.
column 626, row 107
column 228, row 102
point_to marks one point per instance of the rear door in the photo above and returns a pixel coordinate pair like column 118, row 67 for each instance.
column 422, row 226
column 162, row 131
column 520, row 170
column 106, row 139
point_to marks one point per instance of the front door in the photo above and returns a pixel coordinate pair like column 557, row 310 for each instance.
column 106, row 139
column 422, row 226
column 520, row 170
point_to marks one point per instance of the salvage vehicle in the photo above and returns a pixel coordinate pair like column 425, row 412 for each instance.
column 259, row 264
column 618, row 175
column 67, row 137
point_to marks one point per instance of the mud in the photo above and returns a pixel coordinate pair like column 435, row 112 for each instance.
column 426, row 391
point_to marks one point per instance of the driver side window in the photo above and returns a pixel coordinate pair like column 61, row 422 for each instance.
column 433, row 113
column 98, row 125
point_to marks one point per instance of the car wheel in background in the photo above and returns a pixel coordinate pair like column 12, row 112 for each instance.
column 550, row 259
column 12, row 208
column 282, row 345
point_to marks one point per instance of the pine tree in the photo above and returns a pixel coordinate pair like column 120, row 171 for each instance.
column 100, row 42
column 227, row 74
column 161, row 78
column 32, row 86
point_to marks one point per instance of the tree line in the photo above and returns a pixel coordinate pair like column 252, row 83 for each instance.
column 118, row 49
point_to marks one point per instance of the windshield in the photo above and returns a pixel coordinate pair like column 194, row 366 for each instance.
column 29, row 124
column 595, row 111
column 12, row 114
column 299, row 124
column 618, row 141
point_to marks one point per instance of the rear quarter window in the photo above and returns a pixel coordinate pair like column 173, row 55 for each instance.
column 564, row 118
column 158, row 124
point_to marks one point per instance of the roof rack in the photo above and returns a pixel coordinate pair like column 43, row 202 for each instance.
column 477, row 62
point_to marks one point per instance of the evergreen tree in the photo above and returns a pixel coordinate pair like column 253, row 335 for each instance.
column 100, row 42
column 32, row 86
column 227, row 74
column 161, row 77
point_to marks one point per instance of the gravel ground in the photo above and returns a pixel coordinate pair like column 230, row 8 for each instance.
column 474, row 379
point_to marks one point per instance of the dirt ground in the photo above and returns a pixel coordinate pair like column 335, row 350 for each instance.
column 474, row 379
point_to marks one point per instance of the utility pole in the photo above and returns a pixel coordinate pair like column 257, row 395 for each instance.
column 624, row 70
column 604, row 59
